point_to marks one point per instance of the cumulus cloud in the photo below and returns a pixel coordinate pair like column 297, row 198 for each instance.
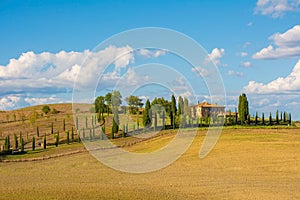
column 200, row 71
column 33, row 78
column 276, row 8
column 149, row 53
column 215, row 56
column 287, row 45
column 242, row 54
column 235, row 73
column 245, row 64
column 289, row 84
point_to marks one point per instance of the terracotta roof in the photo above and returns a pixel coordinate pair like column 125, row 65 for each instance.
column 209, row 105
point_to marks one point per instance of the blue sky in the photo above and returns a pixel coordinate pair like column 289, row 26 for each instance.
column 255, row 45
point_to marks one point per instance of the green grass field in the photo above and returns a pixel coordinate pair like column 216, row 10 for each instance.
column 245, row 164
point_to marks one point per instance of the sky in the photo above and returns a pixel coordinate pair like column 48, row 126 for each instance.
column 254, row 44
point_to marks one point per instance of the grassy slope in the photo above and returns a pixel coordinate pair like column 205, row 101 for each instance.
column 245, row 164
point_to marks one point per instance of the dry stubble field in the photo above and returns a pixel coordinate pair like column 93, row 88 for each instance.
column 245, row 164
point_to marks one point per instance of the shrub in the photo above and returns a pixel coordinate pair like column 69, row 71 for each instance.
column 46, row 109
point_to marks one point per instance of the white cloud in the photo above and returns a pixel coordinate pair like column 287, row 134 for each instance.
column 243, row 54
column 215, row 56
column 250, row 24
column 200, row 71
column 245, row 64
column 235, row 73
column 288, row 45
column 289, row 84
column 149, row 53
column 8, row 102
column 276, row 8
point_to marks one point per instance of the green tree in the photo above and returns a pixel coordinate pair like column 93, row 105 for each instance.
column 256, row 118
column 52, row 130
column 270, row 119
column 16, row 144
column 37, row 132
column 263, row 118
column 108, row 101
column 72, row 134
column 100, row 106
column 163, row 120
column 134, row 103
column 116, row 98
column 290, row 118
column 56, row 139
column 277, row 117
column 173, row 111
column 46, row 109
column 147, row 115
column 243, row 108
column 33, row 143
column 186, row 107
column 155, row 121
column 45, row 141
column 180, row 106
column 68, row 137
column 22, row 145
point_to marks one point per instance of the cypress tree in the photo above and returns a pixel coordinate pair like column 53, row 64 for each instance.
column 68, row 137
column 270, row 119
column 7, row 144
column 52, row 130
column 20, row 136
column 86, row 122
column 173, row 111
column 45, row 142
column 72, row 134
column 284, row 117
column 243, row 107
column 76, row 122
column 290, row 118
column 56, row 139
column 281, row 116
column 78, row 136
column 263, row 118
column 37, row 132
column 147, row 115
column 155, row 121
column 33, row 143
column 277, row 117
column 16, row 142
column 256, row 118
column 22, row 145
column 249, row 119
column 236, row 117
column 180, row 106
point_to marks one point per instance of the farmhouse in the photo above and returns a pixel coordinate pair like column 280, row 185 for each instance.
column 205, row 109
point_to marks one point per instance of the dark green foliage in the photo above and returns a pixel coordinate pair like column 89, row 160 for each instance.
column 72, row 134
column 45, row 142
column 54, row 111
column 147, row 115
column 33, row 143
column 134, row 103
column 56, row 139
column 116, row 98
column 46, row 109
column 270, row 119
column 100, row 106
column 52, row 129
column 7, row 144
column 173, row 111
column 256, row 118
column 186, row 107
column 76, row 122
column 180, row 106
column 284, row 117
column 280, row 116
column 16, row 143
column 243, row 107
column 37, row 132
column 155, row 121
column 263, row 118
column 86, row 122
column 277, row 117
column 22, row 145
column 68, row 137
column 290, row 118
column 248, row 119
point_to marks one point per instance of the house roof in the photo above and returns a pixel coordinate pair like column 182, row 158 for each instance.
column 209, row 105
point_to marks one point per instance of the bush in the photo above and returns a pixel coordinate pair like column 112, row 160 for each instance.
column 46, row 109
